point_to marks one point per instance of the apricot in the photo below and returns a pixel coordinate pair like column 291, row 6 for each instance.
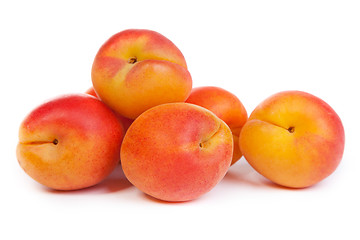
column 294, row 139
column 176, row 151
column 137, row 69
column 70, row 142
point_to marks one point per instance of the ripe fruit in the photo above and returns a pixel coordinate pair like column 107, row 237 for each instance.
column 294, row 139
column 138, row 69
column 70, row 142
column 176, row 151
column 226, row 106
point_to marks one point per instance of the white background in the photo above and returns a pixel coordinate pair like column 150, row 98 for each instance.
column 252, row 48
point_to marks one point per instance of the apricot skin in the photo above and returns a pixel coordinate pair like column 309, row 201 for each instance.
column 125, row 122
column 226, row 106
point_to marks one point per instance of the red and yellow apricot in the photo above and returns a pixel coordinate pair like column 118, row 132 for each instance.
column 176, row 151
column 294, row 139
column 138, row 69
column 70, row 142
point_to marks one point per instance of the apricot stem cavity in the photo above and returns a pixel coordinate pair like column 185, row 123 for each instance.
column 132, row 60
column 291, row 129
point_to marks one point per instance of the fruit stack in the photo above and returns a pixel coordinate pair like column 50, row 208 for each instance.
column 174, row 142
